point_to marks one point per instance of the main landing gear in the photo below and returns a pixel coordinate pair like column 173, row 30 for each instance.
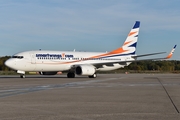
column 71, row 75
column 93, row 76
column 22, row 76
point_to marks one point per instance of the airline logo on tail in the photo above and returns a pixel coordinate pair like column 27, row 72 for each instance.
column 129, row 46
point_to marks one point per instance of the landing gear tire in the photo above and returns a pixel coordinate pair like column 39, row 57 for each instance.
column 70, row 75
column 93, row 76
column 22, row 76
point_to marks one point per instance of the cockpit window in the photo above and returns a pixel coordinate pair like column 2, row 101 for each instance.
column 19, row 57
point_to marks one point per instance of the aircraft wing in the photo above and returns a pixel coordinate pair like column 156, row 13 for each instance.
column 135, row 60
column 148, row 54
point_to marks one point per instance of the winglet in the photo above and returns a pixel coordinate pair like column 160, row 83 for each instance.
column 171, row 53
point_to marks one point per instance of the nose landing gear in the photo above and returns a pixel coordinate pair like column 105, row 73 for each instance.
column 22, row 73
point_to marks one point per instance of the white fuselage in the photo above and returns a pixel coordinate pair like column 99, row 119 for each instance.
column 62, row 60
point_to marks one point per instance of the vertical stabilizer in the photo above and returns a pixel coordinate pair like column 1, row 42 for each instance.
column 129, row 46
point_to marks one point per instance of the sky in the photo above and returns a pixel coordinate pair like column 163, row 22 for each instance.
column 88, row 25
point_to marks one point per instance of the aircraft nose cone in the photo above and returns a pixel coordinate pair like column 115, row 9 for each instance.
column 9, row 63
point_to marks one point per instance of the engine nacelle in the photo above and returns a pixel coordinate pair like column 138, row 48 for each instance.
column 85, row 70
column 47, row 73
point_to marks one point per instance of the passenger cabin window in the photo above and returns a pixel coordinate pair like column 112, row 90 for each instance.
column 19, row 57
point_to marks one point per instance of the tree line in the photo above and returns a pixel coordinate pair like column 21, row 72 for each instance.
column 162, row 66
column 165, row 65
column 2, row 61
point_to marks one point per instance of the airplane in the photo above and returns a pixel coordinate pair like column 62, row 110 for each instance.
column 79, row 63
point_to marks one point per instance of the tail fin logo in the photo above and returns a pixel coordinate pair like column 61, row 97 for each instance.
column 129, row 46
column 131, row 41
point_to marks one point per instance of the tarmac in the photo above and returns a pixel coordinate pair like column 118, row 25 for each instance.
column 107, row 97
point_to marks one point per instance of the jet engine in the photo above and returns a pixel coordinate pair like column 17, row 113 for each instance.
column 85, row 70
